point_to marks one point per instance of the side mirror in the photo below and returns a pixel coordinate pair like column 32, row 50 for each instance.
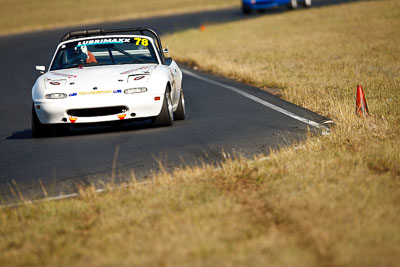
column 42, row 69
column 168, row 61
column 166, row 51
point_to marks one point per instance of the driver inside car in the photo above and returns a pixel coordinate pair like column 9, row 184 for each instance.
column 82, row 55
column 90, row 57
column 76, row 55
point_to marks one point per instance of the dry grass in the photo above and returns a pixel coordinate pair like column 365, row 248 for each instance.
column 29, row 15
column 330, row 201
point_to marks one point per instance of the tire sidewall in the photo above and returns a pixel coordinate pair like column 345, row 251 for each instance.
column 165, row 118
column 293, row 4
column 307, row 3
column 180, row 112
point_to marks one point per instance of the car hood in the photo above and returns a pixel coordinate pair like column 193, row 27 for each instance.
column 97, row 77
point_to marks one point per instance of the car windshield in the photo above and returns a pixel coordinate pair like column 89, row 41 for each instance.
column 104, row 51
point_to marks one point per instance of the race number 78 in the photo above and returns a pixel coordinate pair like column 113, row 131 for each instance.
column 141, row 41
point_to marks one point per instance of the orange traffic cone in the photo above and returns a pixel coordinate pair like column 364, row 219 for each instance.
column 361, row 103
column 202, row 28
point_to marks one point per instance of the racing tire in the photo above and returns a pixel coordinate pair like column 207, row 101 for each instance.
column 180, row 111
column 246, row 9
column 166, row 116
column 39, row 129
column 293, row 4
column 306, row 3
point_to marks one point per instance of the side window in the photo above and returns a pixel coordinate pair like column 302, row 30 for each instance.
column 59, row 60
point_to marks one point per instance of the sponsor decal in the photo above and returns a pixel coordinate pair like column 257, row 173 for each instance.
column 73, row 94
column 144, row 69
column 63, row 75
column 139, row 78
column 54, row 83
column 117, row 91
column 121, row 116
column 104, row 41
column 72, row 120
column 95, row 92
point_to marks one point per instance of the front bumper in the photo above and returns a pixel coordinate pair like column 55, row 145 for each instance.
column 56, row 111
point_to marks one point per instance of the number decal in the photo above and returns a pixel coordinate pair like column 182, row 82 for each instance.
column 145, row 42
column 141, row 41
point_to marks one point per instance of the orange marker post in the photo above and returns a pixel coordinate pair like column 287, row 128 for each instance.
column 361, row 103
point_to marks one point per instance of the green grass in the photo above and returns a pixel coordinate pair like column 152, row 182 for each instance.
column 328, row 201
column 30, row 15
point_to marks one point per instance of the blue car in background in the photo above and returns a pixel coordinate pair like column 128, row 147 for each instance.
column 249, row 5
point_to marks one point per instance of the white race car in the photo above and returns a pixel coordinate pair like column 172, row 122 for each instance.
column 107, row 75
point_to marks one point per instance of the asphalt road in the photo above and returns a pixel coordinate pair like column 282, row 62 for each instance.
column 219, row 122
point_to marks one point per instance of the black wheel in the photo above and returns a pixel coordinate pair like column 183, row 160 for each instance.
column 293, row 4
column 180, row 111
column 166, row 116
column 39, row 129
column 246, row 9
column 306, row 3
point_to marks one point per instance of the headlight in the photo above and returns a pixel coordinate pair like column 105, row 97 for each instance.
column 56, row 96
column 135, row 90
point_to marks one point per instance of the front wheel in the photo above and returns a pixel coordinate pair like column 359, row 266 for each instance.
column 293, row 4
column 307, row 3
column 166, row 116
column 38, row 129
column 180, row 111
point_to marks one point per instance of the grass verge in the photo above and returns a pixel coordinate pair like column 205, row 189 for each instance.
column 330, row 201
column 18, row 16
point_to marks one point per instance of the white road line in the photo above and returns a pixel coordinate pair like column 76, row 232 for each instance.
column 59, row 197
column 262, row 102
column 72, row 195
